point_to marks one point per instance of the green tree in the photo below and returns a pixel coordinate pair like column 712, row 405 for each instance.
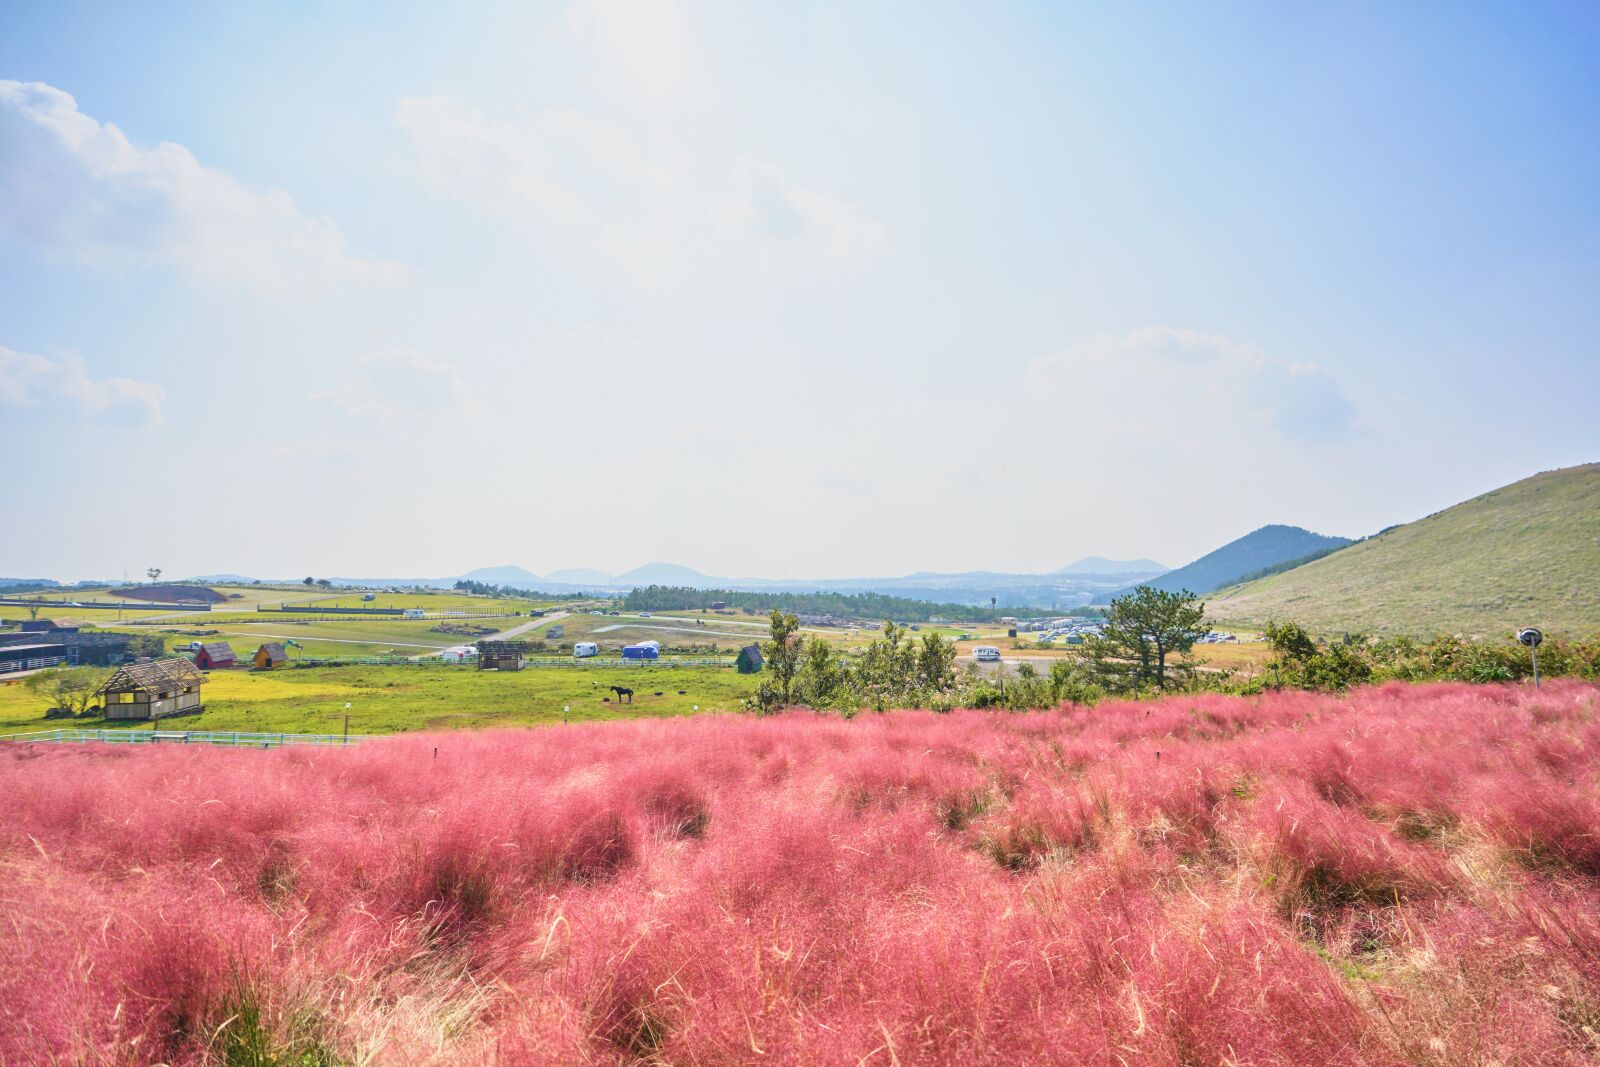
column 309, row 581
column 1140, row 631
column 782, row 653
column 936, row 662
column 69, row 689
column 1290, row 641
column 819, row 677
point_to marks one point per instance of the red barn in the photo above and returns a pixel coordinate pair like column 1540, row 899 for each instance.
column 214, row 655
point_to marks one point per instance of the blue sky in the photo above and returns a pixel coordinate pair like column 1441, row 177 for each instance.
column 779, row 289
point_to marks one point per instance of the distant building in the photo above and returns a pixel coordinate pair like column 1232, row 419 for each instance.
column 31, row 656
column 45, row 626
column 502, row 655
column 154, row 689
column 556, row 631
column 97, row 650
column 215, row 655
column 270, row 655
column 750, row 660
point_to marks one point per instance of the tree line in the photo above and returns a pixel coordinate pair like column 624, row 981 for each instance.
column 842, row 605
column 1145, row 648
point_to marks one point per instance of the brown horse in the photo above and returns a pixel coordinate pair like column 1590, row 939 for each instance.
column 622, row 691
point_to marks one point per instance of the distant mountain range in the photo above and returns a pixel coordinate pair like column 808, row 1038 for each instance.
column 1255, row 552
column 1071, row 586
column 1101, row 565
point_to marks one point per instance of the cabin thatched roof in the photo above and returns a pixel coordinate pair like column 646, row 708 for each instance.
column 153, row 676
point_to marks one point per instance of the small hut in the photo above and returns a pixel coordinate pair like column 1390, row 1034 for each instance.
column 750, row 660
column 502, row 655
column 270, row 655
column 215, row 655
column 154, row 689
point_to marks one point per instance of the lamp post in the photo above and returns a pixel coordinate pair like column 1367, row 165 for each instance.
column 1531, row 637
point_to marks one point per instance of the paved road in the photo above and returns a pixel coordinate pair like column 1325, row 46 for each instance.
column 505, row 635
column 531, row 624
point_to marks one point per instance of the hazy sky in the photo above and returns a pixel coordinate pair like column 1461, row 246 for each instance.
column 780, row 289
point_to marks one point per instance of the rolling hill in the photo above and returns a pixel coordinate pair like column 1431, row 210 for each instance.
column 1527, row 554
column 1256, row 551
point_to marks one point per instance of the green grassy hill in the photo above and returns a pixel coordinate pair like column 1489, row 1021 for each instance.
column 1526, row 554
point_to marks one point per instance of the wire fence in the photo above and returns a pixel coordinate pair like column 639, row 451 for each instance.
column 433, row 660
column 138, row 736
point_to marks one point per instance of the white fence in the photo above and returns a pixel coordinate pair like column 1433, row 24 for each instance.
column 180, row 737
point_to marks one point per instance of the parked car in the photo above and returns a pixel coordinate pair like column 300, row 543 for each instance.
column 644, row 614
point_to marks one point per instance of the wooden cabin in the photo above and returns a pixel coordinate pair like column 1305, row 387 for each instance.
column 270, row 655
column 154, row 689
column 215, row 655
column 750, row 660
column 502, row 655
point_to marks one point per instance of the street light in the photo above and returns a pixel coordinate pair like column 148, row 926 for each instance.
column 1532, row 637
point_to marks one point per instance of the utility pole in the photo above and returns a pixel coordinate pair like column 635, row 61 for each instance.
column 347, row 722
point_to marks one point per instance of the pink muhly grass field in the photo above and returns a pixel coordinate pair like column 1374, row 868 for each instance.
column 1403, row 875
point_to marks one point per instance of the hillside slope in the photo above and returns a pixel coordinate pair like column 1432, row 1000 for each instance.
column 1240, row 558
column 1525, row 554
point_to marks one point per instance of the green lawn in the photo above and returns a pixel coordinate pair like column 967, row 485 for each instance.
column 430, row 602
column 396, row 698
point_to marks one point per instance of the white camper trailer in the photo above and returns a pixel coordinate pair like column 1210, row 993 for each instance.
column 585, row 649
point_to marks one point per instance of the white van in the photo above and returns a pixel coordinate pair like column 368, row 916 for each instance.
column 986, row 654
column 412, row 613
column 584, row 649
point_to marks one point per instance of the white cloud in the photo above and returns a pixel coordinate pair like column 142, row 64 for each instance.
column 27, row 379
column 76, row 188
column 1161, row 386
column 594, row 185
column 784, row 216
column 327, row 452
column 394, row 385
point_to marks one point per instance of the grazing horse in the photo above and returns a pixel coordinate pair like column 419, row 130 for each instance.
column 622, row 691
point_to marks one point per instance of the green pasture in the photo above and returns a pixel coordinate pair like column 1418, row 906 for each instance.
column 431, row 602
column 390, row 699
